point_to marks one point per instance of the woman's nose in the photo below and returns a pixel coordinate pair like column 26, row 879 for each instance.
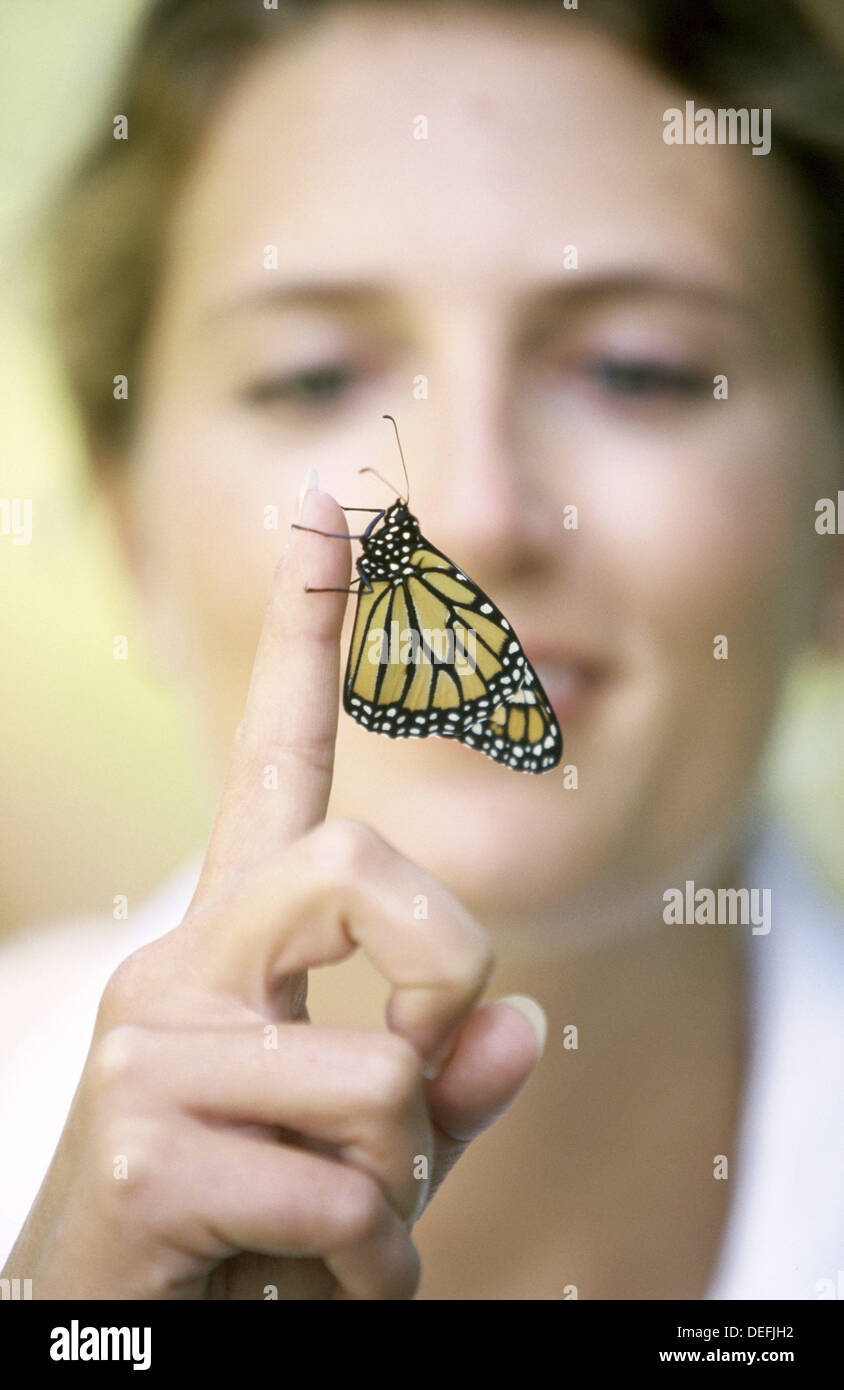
column 478, row 497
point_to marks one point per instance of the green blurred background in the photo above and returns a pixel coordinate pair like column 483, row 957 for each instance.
column 103, row 788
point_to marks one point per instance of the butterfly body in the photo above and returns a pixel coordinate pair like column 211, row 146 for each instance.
column 431, row 654
column 387, row 553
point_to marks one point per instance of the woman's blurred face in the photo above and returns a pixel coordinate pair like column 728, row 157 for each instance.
column 547, row 385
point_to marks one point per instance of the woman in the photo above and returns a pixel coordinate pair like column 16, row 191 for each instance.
column 611, row 361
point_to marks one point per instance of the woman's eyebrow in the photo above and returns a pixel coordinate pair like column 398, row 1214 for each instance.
column 574, row 290
column 583, row 291
column 338, row 295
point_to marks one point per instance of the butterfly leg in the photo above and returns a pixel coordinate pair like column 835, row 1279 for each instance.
column 364, row 590
column 334, row 535
column 309, row 590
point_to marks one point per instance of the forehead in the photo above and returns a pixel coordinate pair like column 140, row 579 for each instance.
column 540, row 133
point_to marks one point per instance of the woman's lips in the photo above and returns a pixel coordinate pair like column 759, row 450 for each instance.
column 570, row 683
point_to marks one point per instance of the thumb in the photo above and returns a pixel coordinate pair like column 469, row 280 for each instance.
column 495, row 1052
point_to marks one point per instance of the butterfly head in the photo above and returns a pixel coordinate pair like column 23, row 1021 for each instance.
column 399, row 514
column 389, row 548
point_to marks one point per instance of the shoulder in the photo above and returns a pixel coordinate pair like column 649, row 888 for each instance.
column 785, row 1235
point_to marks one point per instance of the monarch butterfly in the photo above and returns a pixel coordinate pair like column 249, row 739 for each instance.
column 482, row 691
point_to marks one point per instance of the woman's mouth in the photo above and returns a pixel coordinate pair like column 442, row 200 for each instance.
column 570, row 682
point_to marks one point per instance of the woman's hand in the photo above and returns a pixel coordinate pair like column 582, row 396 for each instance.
column 220, row 1145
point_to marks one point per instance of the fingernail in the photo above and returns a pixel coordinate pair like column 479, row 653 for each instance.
column 309, row 482
column 533, row 1012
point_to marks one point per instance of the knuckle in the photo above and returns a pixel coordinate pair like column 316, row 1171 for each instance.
column 131, row 1163
column 129, row 1158
column 120, row 1055
column 349, row 848
column 313, row 752
column 254, row 748
column 122, row 991
column 469, row 969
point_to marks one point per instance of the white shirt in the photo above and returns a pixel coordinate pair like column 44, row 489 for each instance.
column 785, row 1233
column 784, row 1237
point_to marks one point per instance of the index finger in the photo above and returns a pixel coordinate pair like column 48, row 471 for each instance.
column 290, row 719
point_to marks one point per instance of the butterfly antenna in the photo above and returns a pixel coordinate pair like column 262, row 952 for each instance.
column 406, row 498
column 403, row 464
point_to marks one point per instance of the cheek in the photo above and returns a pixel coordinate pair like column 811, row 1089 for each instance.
column 690, row 555
column 215, row 521
column 709, row 543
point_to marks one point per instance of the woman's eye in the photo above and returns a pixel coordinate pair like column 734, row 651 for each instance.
column 643, row 380
column 314, row 387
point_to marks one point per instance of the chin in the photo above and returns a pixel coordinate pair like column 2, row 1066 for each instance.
column 498, row 839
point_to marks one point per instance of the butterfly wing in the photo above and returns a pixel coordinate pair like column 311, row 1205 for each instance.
column 432, row 654
column 522, row 733
column 376, row 688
